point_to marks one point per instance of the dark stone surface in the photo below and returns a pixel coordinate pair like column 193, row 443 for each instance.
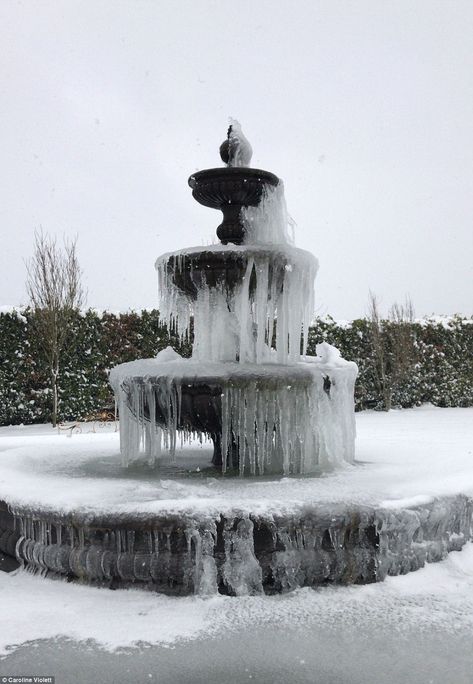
column 334, row 544
column 193, row 271
column 8, row 563
column 8, row 539
column 229, row 189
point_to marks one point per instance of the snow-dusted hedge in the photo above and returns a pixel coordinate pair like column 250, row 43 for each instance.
column 439, row 368
column 429, row 360
column 96, row 343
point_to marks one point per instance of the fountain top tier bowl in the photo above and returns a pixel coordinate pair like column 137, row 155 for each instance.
column 232, row 187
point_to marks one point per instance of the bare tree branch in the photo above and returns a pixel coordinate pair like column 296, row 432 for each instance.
column 393, row 343
column 55, row 292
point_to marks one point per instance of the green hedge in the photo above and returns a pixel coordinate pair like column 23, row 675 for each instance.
column 440, row 359
column 440, row 368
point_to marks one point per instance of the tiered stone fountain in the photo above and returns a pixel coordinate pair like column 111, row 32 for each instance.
column 249, row 385
column 270, row 411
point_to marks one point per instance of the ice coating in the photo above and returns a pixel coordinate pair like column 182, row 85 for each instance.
column 257, row 554
column 296, row 419
column 240, row 150
column 275, row 295
column 249, row 386
column 269, row 222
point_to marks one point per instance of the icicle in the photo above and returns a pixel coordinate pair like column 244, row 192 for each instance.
column 241, row 571
column 208, row 576
column 130, row 541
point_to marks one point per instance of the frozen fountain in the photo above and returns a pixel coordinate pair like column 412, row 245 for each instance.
column 249, row 386
column 274, row 415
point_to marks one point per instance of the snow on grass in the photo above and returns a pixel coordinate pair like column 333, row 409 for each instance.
column 404, row 458
column 435, row 599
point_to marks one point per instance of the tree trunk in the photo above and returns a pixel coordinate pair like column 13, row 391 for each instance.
column 387, row 399
column 54, row 388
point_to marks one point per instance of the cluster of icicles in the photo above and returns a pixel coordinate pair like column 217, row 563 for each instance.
column 295, row 422
column 292, row 429
column 256, row 556
column 274, row 301
column 257, row 320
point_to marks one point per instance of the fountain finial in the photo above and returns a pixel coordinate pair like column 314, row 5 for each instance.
column 236, row 150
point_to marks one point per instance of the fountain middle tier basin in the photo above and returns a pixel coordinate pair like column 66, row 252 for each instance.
column 262, row 418
column 241, row 301
column 225, row 266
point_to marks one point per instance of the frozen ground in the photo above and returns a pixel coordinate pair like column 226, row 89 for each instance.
column 412, row 629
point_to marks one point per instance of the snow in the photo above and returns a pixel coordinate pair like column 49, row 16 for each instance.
column 403, row 458
column 446, row 321
column 11, row 309
column 435, row 599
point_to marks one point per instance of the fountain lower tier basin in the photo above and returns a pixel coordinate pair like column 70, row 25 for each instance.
column 70, row 509
column 234, row 552
column 262, row 419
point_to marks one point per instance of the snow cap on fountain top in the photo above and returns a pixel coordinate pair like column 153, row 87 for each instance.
column 236, row 149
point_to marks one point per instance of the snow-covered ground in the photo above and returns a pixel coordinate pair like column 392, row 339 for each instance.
column 410, row 629
column 415, row 628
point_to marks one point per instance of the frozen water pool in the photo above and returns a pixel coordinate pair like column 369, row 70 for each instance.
column 403, row 458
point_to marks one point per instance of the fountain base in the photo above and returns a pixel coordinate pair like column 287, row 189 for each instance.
column 235, row 553
column 70, row 509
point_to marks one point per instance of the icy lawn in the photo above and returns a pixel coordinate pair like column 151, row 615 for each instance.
column 403, row 458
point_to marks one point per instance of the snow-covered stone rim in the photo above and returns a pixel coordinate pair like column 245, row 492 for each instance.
column 283, row 250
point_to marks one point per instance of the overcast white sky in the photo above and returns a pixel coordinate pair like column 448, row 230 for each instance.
column 364, row 108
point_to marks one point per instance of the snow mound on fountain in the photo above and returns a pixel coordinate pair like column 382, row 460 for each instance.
column 175, row 366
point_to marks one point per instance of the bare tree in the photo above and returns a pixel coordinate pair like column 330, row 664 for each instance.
column 394, row 353
column 402, row 342
column 55, row 291
column 380, row 370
